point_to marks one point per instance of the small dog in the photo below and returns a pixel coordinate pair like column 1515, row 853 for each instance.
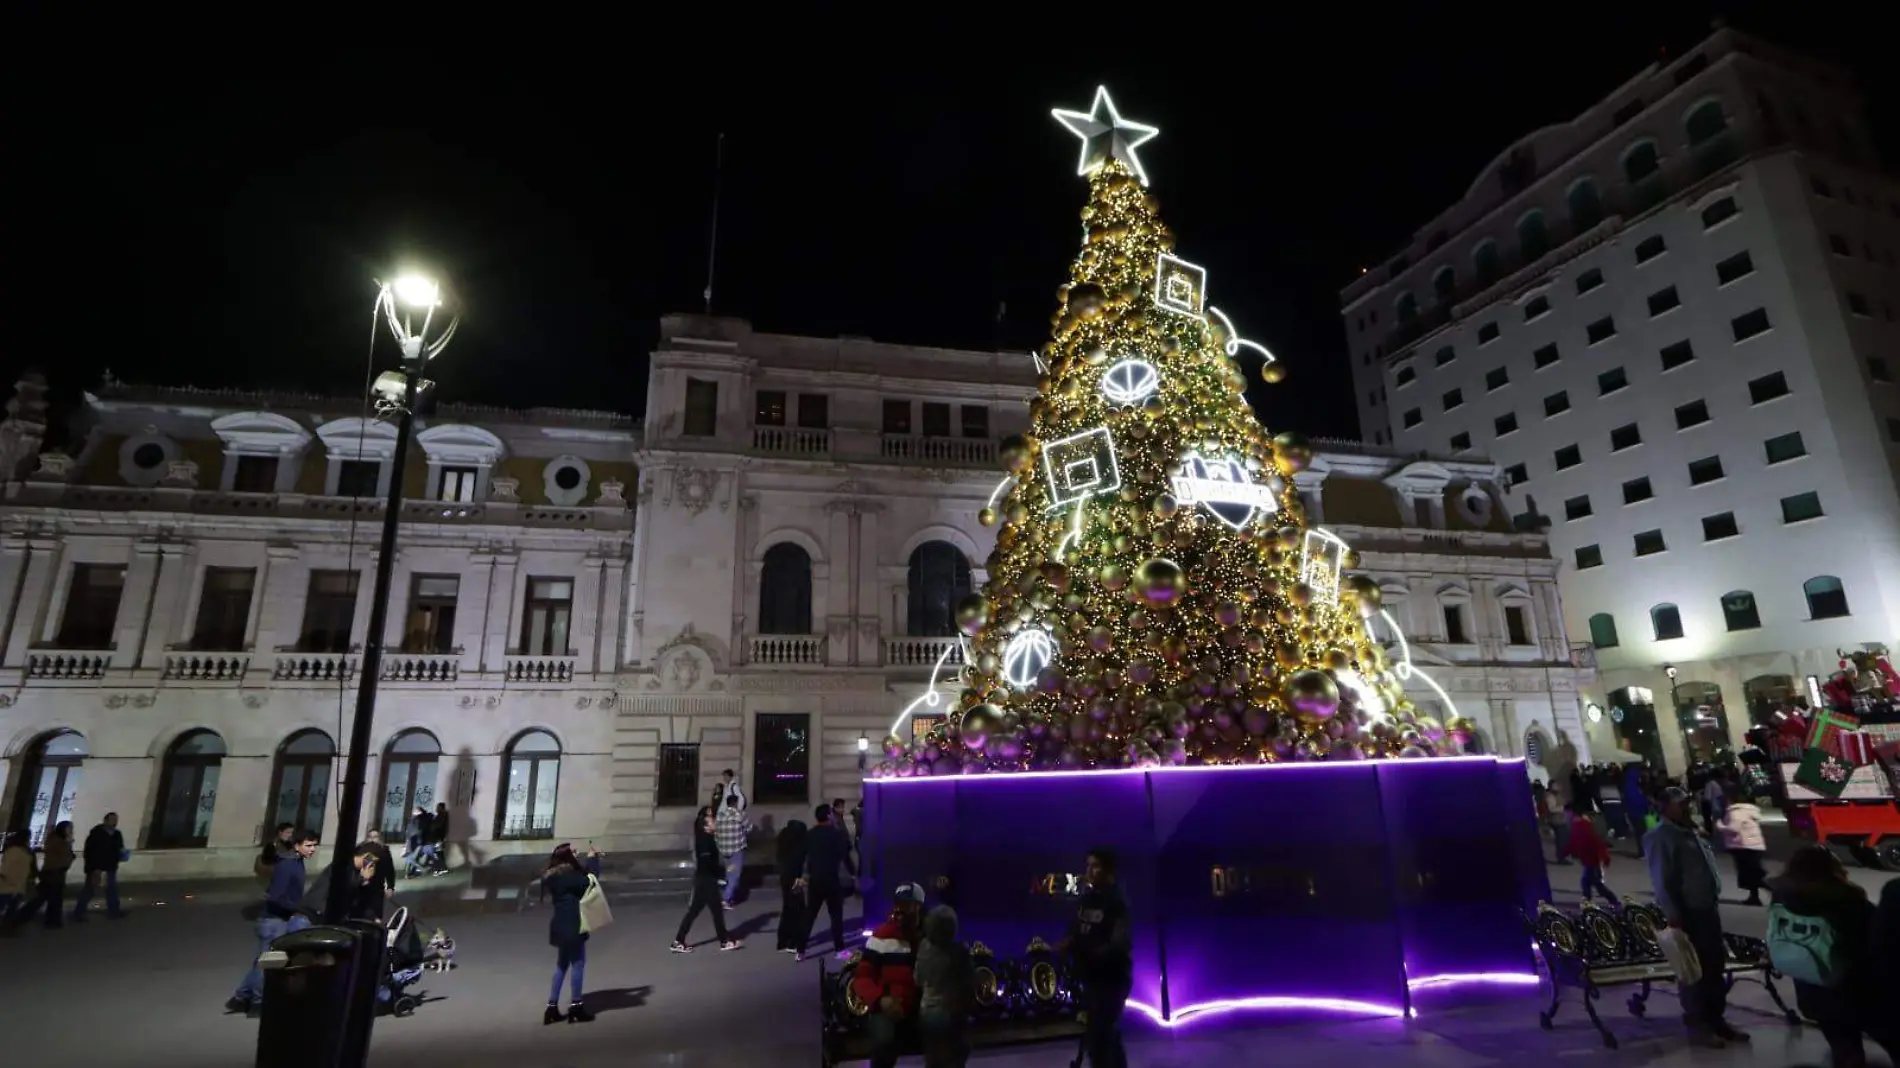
column 439, row 956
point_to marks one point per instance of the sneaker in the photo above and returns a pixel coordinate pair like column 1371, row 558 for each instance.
column 788, row 949
column 680, row 947
column 235, row 1005
column 730, row 944
column 728, row 906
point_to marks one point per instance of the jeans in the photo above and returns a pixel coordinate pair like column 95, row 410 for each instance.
column 705, row 896
column 887, row 1034
column 946, row 1045
column 833, row 899
column 1560, row 834
column 573, row 968
column 269, row 929
column 49, row 894
column 1593, row 879
column 1705, row 1002
column 1102, row 1035
column 111, row 877
column 734, row 865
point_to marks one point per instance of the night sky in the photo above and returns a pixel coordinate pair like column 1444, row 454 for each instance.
column 200, row 212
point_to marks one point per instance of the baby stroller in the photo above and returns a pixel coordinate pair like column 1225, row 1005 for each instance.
column 403, row 966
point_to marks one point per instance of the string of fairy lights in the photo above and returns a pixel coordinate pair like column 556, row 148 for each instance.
column 1154, row 595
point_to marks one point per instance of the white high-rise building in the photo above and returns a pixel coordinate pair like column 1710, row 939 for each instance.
column 1672, row 322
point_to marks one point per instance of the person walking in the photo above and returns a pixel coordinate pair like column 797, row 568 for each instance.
column 567, row 881
column 708, row 873
column 1835, row 984
column 438, row 839
column 415, row 834
column 275, row 846
column 1688, row 890
column 282, row 914
column 1636, row 804
column 730, row 831
column 19, row 876
column 104, row 851
column 1745, row 844
column 827, row 851
column 794, row 918
column 727, row 790
column 385, row 863
column 1100, row 942
column 1591, row 851
column 56, row 860
column 946, row 984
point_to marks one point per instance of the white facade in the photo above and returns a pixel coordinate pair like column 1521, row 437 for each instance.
column 1672, row 322
column 806, row 517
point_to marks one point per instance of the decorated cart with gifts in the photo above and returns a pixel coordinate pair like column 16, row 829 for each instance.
column 1844, row 788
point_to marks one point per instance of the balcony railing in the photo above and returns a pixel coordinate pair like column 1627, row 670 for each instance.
column 315, row 667
column 207, row 667
column 539, row 669
column 791, row 440
column 421, row 667
column 518, row 827
column 922, row 652
column 787, row 649
column 67, row 664
column 957, row 452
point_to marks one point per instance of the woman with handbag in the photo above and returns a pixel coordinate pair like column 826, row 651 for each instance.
column 568, row 881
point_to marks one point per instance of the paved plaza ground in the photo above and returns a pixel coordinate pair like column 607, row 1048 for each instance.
column 147, row 992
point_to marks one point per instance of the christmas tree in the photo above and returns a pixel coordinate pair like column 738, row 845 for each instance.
column 1155, row 595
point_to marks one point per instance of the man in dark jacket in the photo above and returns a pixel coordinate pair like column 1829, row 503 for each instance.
column 709, row 875
column 1101, row 944
column 105, row 849
column 385, row 863
column 367, row 888
column 282, row 913
column 1682, row 872
column 1815, row 886
column 827, row 851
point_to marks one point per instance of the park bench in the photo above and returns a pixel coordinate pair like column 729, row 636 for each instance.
column 1595, row 948
column 1018, row 1002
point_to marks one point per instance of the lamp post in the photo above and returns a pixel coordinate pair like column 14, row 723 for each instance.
column 1675, row 710
column 410, row 305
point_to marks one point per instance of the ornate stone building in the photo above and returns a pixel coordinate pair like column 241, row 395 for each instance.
column 183, row 622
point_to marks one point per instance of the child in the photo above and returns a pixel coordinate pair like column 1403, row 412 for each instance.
column 1742, row 838
column 1591, row 851
column 946, row 978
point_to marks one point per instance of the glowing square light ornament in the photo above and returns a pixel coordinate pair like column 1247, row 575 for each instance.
column 1321, row 556
column 1081, row 466
column 1223, row 487
column 1180, row 286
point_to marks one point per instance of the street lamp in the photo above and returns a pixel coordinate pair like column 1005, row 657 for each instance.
column 864, row 748
column 411, row 305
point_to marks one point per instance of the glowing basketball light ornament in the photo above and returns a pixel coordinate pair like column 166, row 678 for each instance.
column 1130, row 381
column 1224, row 488
column 1027, row 653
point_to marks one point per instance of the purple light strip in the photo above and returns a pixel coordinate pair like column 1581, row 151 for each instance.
column 1350, row 1006
column 1470, row 978
column 1201, row 769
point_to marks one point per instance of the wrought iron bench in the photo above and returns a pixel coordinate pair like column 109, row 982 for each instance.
column 1596, row 947
column 1017, row 1002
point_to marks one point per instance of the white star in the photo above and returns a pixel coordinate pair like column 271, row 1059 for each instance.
column 1106, row 135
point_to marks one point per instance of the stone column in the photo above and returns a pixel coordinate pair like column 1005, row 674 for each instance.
column 135, row 604
column 866, row 610
column 837, row 625
column 13, row 555
column 472, row 607
column 171, row 616
column 33, row 608
column 365, row 591
column 586, row 612
column 501, row 609
column 613, row 616
column 278, row 603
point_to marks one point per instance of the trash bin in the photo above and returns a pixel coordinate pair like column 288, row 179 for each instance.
column 320, row 996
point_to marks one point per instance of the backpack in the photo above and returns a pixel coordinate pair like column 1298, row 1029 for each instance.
column 1802, row 947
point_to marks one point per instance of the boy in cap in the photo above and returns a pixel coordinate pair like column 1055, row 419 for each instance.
column 886, row 977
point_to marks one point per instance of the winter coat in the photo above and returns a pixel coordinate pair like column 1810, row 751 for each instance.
column 1741, row 828
column 791, row 850
column 1845, row 907
column 888, row 967
column 565, row 889
column 1586, row 844
column 946, row 976
column 104, row 846
column 56, row 856
column 18, row 870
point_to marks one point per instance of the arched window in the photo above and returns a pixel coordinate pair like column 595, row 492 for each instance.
column 939, row 578
column 1826, row 598
column 1666, row 622
column 1739, row 611
column 1533, row 237
column 785, row 590
column 1486, row 261
column 1633, row 719
column 1408, row 309
column 1586, row 207
column 534, row 781
column 1603, row 630
column 49, row 782
column 409, row 767
column 1444, row 282
column 188, row 791
column 300, row 783
column 1705, row 123
column 1641, row 161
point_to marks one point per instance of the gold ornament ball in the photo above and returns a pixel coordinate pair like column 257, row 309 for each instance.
column 1292, row 451
column 986, row 517
column 1014, row 452
column 978, row 724
column 1338, row 660
column 1273, row 374
column 1113, row 577
column 1365, row 594
column 973, row 613
column 1086, row 300
column 1161, row 581
column 1017, row 512
column 1313, row 692
column 1165, row 504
